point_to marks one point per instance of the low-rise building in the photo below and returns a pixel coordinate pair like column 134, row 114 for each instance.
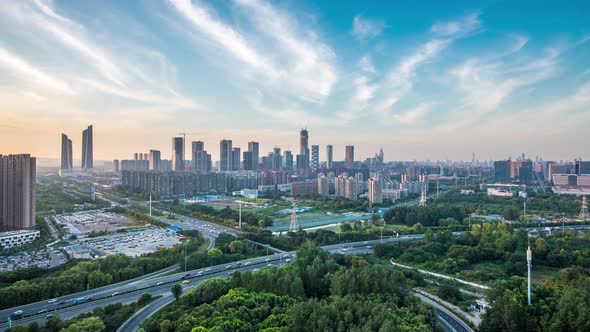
column 17, row 238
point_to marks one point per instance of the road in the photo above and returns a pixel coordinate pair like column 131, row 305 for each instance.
column 447, row 319
column 129, row 291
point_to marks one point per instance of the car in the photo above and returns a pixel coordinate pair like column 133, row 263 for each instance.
column 17, row 314
column 52, row 301
column 185, row 282
column 200, row 273
column 255, row 270
column 229, row 273
column 115, row 294
column 366, row 242
column 42, row 311
column 247, row 263
column 288, row 260
column 269, row 265
column 208, row 269
column 159, row 283
column 228, row 267
column 267, row 260
column 81, row 300
column 49, row 316
column 62, row 302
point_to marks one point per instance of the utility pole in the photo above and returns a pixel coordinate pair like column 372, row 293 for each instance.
column 185, row 245
column 525, row 207
column 150, row 203
column 240, row 222
column 529, row 259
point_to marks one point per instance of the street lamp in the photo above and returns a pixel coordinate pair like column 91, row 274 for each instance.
column 529, row 259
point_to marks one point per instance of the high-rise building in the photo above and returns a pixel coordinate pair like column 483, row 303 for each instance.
column 87, row 152
column 315, row 157
column 154, row 160
column 136, row 156
column 349, row 161
column 18, row 175
column 502, row 170
column 66, row 153
column 116, row 167
column 329, row 156
column 323, row 186
column 225, row 155
column 288, row 157
column 304, row 147
column 235, row 161
column 351, row 191
column 178, row 154
column 247, row 160
column 375, row 191
column 200, row 158
column 277, row 159
column 253, row 147
column 145, row 156
column 582, row 167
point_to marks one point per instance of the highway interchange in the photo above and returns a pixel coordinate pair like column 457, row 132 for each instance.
column 159, row 283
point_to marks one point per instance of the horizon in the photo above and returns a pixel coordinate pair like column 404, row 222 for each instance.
column 436, row 81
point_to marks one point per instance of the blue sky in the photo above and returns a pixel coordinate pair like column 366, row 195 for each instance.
column 422, row 79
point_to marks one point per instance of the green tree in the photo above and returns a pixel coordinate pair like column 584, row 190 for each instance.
column 144, row 299
column 91, row 324
column 176, row 291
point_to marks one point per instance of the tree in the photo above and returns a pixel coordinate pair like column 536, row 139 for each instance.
column 144, row 299
column 214, row 252
column 91, row 324
column 176, row 291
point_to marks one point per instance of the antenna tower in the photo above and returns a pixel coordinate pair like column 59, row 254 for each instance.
column 584, row 211
column 294, row 226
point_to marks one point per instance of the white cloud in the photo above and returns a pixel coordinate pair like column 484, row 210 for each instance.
column 412, row 115
column 363, row 28
column 465, row 25
column 366, row 64
column 34, row 75
column 364, row 90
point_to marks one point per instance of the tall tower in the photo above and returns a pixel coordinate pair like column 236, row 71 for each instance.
column 294, row 226
column 66, row 152
column 349, row 161
column 87, row 152
column 329, row 156
column 584, row 211
column 304, row 146
column 225, row 155
column 18, row 175
column 253, row 147
column 178, row 154
column 315, row 157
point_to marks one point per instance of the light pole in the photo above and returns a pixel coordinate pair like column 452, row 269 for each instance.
column 529, row 259
column 185, row 245
column 240, row 204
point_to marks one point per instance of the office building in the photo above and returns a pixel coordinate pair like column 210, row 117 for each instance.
column 304, row 188
column 18, row 175
column 235, row 161
column 315, row 157
column 200, row 159
column 225, row 155
column 87, row 149
column 136, row 156
column 329, row 156
column 178, row 154
column 253, row 147
column 66, row 153
column 116, row 168
column 304, row 148
column 502, row 170
column 288, row 157
column 582, row 167
column 18, row 238
column 277, row 159
column 351, row 190
column 349, row 160
column 154, row 160
column 375, row 191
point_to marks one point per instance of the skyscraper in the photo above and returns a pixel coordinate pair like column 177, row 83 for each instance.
column 375, row 191
column 177, row 154
column 288, row 157
column 277, row 159
column 225, row 155
column 154, row 160
column 315, row 157
column 116, row 166
column 323, row 186
column 329, row 156
column 349, row 161
column 304, row 147
column 66, row 153
column 199, row 157
column 247, row 160
column 253, row 147
column 17, row 191
column 87, row 152
column 502, row 170
column 235, row 160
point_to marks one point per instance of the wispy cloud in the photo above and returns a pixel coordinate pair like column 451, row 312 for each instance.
column 364, row 28
column 465, row 25
column 33, row 75
column 412, row 115
column 366, row 64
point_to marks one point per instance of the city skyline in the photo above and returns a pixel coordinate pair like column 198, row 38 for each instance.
column 437, row 83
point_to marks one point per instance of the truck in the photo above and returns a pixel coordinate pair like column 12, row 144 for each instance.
column 80, row 300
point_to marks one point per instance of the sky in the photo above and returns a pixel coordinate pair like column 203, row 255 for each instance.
column 423, row 80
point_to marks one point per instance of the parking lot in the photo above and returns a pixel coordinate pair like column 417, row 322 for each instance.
column 134, row 243
column 94, row 221
column 44, row 258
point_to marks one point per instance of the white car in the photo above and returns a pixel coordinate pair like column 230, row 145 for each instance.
column 52, row 301
column 247, row 263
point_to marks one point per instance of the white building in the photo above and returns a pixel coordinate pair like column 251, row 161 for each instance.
column 375, row 191
column 500, row 192
column 17, row 238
